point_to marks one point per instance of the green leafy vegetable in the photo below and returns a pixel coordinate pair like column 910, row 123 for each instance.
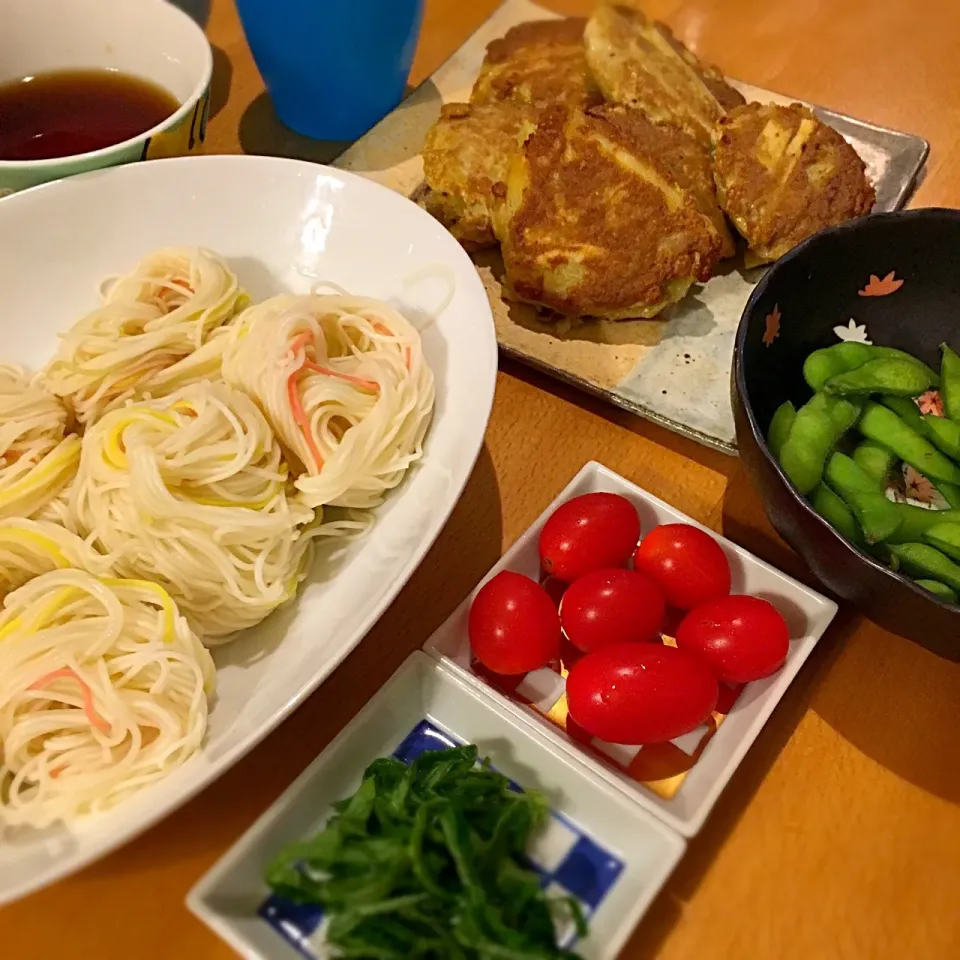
column 424, row 862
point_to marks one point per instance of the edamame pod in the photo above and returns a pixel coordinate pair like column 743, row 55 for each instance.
column 946, row 538
column 950, row 493
column 888, row 375
column 780, row 426
column 950, row 387
column 882, row 425
column 837, row 514
column 927, row 563
column 875, row 460
column 817, row 427
column 940, row 590
column 944, row 434
column 906, row 410
column 823, row 364
column 916, row 521
column 877, row 516
column 829, row 362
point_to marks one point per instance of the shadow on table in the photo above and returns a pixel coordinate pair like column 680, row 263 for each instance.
column 262, row 132
column 220, row 80
column 469, row 544
column 902, row 713
column 198, row 9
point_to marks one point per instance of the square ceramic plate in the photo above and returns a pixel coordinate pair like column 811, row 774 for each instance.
column 679, row 781
column 598, row 845
column 674, row 370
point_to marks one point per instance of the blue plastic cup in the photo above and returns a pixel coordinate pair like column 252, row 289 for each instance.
column 332, row 67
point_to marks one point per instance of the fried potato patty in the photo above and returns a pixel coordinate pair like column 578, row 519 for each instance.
column 782, row 175
column 466, row 158
column 643, row 65
column 602, row 215
column 541, row 63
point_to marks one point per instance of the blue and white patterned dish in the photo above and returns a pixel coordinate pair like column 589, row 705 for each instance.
column 598, row 845
column 570, row 863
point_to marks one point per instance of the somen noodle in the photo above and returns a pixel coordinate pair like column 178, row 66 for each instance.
column 29, row 548
column 155, row 332
column 190, row 491
column 344, row 383
column 38, row 457
column 103, row 690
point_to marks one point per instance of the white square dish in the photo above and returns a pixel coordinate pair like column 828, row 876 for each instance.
column 599, row 846
column 718, row 751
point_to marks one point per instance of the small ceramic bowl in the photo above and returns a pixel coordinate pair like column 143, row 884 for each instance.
column 150, row 39
column 893, row 279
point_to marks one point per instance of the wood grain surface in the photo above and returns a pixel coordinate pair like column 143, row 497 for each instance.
column 839, row 837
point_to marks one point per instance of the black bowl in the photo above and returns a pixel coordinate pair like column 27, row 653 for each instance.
column 899, row 275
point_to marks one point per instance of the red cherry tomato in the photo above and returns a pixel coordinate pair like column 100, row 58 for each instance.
column 740, row 638
column 640, row 693
column 588, row 533
column 513, row 625
column 611, row 606
column 688, row 563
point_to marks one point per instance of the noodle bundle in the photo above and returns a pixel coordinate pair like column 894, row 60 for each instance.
column 344, row 383
column 156, row 331
column 103, row 690
column 37, row 456
column 190, row 491
column 29, row 548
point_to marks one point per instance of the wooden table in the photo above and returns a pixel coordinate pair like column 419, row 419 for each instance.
column 839, row 837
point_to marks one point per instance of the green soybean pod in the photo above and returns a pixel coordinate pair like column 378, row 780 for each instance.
column 875, row 460
column 881, row 424
column 950, row 493
column 780, row 426
column 943, row 433
column 950, row 386
column 877, row 516
column 924, row 562
column 847, row 355
column 837, row 514
column 940, row 590
column 817, row 427
column 906, row 410
column 828, row 362
column 916, row 521
column 946, row 538
column 888, row 375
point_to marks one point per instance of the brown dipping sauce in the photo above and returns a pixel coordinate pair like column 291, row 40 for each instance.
column 66, row 112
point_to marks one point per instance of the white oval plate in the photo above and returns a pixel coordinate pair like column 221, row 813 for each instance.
column 282, row 225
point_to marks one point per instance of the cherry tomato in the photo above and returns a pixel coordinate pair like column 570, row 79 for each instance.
column 513, row 624
column 640, row 693
column 588, row 533
column 611, row 606
column 688, row 563
column 740, row 638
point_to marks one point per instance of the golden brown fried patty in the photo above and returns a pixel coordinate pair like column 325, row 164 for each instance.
column 541, row 63
column 642, row 64
column 782, row 175
column 601, row 218
column 466, row 158
column 687, row 159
